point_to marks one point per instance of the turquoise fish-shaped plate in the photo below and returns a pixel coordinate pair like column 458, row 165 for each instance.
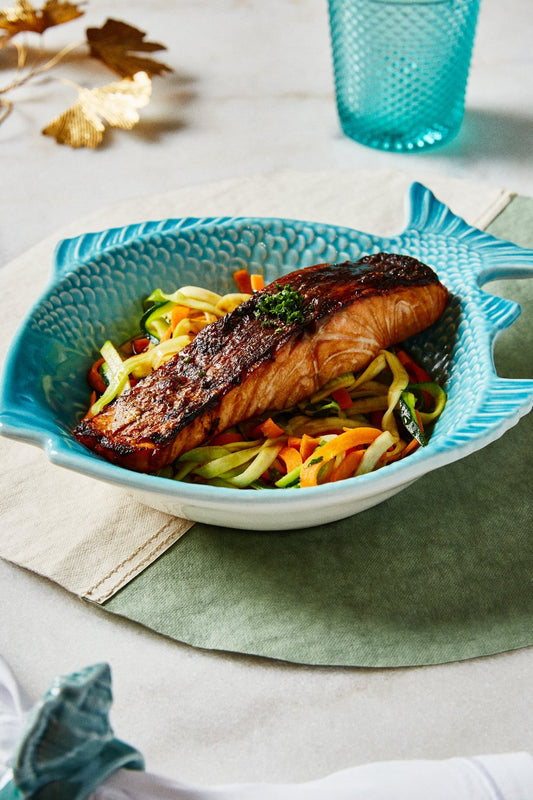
column 99, row 281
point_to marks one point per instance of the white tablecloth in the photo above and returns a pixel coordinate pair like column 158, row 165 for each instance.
column 252, row 93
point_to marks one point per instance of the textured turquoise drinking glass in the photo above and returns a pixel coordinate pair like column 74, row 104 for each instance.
column 401, row 69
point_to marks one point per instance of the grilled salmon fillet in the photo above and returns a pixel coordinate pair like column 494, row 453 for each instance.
column 248, row 361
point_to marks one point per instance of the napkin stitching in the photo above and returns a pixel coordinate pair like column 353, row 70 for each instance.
column 134, row 569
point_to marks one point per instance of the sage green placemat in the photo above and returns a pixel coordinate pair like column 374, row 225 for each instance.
column 441, row 572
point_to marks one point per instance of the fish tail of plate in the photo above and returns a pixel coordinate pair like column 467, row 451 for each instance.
column 496, row 258
column 506, row 394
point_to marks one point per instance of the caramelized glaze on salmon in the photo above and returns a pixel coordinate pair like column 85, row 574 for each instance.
column 244, row 364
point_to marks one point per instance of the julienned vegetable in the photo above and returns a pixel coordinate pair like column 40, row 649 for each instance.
column 355, row 424
column 169, row 323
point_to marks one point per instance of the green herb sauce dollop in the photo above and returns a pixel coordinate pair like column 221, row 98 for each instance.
column 286, row 306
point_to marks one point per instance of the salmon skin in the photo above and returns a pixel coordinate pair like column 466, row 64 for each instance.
column 250, row 361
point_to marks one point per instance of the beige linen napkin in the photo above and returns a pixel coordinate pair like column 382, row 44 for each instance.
column 92, row 538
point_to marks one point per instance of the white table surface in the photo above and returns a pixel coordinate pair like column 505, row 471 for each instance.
column 252, row 93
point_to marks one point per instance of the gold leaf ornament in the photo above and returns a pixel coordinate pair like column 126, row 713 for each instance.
column 24, row 17
column 116, row 104
column 116, row 44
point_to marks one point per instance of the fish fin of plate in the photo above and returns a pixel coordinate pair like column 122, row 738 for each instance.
column 69, row 253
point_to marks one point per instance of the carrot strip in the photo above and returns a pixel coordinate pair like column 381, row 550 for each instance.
column 243, row 281
column 307, row 446
column 411, row 447
column 342, row 397
column 290, row 457
column 352, row 437
column 348, row 465
column 294, row 441
column 257, row 282
column 402, row 453
column 309, row 472
column 94, row 378
column 345, row 441
column 278, row 465
column 269, row 429
column 178, row 313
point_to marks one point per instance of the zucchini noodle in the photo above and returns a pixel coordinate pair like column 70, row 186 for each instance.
column 353, row 425
column 170, row 323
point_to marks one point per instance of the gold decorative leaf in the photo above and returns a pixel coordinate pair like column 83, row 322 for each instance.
column 57, row 12
column 116, row 43
column 23, row 16
column 82, row 125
